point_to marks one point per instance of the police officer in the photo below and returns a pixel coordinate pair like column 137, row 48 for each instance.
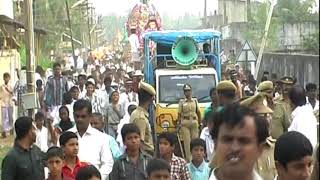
column 140, row 116
column 266, row 87
column 282, row 110
column 189, row 116
column 265, row 165
column 234, row 79
column 226, row 93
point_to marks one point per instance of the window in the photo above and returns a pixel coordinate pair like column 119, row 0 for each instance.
column 171, row 87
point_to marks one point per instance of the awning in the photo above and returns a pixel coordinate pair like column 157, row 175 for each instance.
column 12, row 22
column 170, row 37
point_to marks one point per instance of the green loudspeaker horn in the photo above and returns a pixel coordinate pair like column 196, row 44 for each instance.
column 185, row 51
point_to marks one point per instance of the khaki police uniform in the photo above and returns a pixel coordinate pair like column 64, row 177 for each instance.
column 189, row 121
column 281, row 118
column 265, row 165
column 267, row 88
column 140, row 117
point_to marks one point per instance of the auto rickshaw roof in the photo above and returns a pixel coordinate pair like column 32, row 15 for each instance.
column 169, row 37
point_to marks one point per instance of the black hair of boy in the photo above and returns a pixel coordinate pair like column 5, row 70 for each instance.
column 292, row 146
column 5, row 75
column 88, row 172
column 39, row 116
column 74, row 88
column 97, row 115
column 67, row 98
column 157, row 165
column 62, row 108
column 128, row 129
column 170, row 137
column 196, row 143
column 54, row 151
column 56, row 65
column 66, row 136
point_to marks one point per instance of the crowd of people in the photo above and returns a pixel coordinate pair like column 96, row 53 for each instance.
column 96, row 126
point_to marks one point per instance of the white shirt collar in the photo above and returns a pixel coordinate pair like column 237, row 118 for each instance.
column 255, row 175
column 90, row 130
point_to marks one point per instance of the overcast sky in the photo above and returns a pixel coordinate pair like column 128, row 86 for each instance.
column 174, row 8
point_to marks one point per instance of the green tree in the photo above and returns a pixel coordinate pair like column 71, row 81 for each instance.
column 311, row 43
column 296, row 11
column 256, row 27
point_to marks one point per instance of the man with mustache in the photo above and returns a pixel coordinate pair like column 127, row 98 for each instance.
column 239, row 135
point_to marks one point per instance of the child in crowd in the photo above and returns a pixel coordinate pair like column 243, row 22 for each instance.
column 206, row 136
column 68, row 102
column 98, row 123
column 6, row 102
column 41, row 132
column 158, row 169
column 65, row 121
column 69, row 143
column 132, row 164
column 198, row 167
column 55, row 160
column 74, row 91
column 179, row 169
column 89, row 173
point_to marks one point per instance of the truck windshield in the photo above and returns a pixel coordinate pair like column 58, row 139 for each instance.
column 171, row 87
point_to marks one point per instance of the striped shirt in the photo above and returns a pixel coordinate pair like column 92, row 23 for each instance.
column 55, row 88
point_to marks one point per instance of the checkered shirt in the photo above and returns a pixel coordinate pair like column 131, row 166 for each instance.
column 179, row 169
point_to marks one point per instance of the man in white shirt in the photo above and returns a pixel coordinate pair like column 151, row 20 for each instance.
column 206, row 136
column 76, row 62
column 303, row 119
column 311, row 91
column 239, row 135
column 92, row 143
column 134, row 43
column 41, row 132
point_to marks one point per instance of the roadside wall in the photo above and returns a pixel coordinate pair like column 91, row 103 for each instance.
column 304, row 67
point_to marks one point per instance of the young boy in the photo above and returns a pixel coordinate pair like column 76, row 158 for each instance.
column 293, row 156
column 179, row 169
column 69, row 143
column 98, row 123
column 74, row 93
column 55, row 160
column 158, row 169
column 6, row 102
column 198, row 167
column 132, row 164
column 206, row 136
column 41, row 132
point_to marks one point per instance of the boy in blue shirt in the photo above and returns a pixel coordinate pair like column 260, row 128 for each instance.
column 198, row 167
